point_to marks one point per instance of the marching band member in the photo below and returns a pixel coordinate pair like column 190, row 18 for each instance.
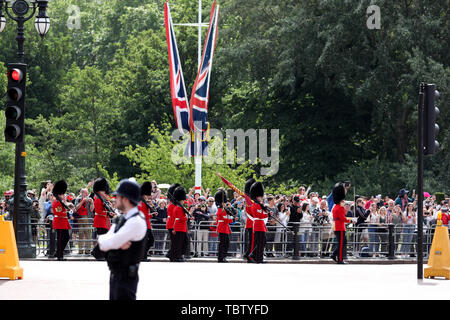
column 180, row 224
column 61, row 220
column 170, row 219
column 147, row 210
column 339, row 223
column 223, row 225
column 101, row 219
column 248, row 222
column 259, row 225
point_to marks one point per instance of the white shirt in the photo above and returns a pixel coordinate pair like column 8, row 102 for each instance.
column 133, row 230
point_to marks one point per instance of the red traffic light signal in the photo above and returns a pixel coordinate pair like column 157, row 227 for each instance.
column 15, row 75
column 15, row 103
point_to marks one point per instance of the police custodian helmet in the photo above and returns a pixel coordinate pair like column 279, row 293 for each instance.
column 130, row 190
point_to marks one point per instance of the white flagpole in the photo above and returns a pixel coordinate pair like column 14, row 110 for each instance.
column 198, row 159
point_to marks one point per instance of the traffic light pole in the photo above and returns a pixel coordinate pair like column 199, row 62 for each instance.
column 420, row 183
column 22, row 203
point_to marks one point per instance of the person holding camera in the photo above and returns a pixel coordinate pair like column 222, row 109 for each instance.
column 83, row 203
column 202, row 219
column 124, row 244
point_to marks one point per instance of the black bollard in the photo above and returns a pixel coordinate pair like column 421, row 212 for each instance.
column 391, row 239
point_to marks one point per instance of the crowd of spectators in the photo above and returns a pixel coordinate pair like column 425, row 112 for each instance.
column 305, row 212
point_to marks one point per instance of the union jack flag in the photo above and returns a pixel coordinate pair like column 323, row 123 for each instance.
column 177, row 86
column 198, row 119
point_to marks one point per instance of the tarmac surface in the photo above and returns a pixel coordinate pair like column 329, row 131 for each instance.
column 199, row 280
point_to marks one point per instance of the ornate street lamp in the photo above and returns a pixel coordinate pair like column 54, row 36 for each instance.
column 22, row 203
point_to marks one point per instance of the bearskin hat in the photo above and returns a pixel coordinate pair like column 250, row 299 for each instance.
column 338, row 193
column 60, row 187
column 256, row 190
column 248, row 185
column 171, row 190
column 179, row 193
column 101, row 184
column 146, row 189
column 220, row 197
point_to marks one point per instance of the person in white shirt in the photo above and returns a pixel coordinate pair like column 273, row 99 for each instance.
column 124, row 243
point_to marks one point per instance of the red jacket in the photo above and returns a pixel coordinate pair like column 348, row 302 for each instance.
column 101, row 219
column 60, row 220
column 339, row 217
column 180, row 224
column 258, row 216
column 170, row 219
column 249, row 221
column 223, row 221
column 144, row 209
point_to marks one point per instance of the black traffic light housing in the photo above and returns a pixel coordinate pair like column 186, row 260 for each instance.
column 15, row 103
column 430, row 127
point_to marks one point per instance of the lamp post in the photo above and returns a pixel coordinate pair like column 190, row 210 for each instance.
column 23, row 11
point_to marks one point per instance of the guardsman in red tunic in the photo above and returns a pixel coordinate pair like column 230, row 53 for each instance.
column 60, row 218
column 340, row 220
column 180, row 224
column 223, row 225
column 248, row 222
column 170, row 219
column 148, row 210
column 102, row 218
column 259, row 222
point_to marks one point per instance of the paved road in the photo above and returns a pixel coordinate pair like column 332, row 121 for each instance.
column 88, row 280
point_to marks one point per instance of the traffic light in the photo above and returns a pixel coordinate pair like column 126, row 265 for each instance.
column 431, row 112
column 15, row 103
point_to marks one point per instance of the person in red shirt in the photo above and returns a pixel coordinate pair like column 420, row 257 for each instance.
column 84, row 233
column 147, row 209
column 340, row 220
column 259, row 222
column 223, row 225
column 61, row 220
column 170, row 219
column 180, row 224
column 248, row 222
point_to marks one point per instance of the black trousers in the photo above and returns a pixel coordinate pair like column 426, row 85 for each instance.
column 51, row 240
column 171, row 245
column 259, row 241
column 149, row 241
column 179, row 244
column 61, row 242
column 122, row 286
column 224, row 244
column 340, row 246
column 248, row 242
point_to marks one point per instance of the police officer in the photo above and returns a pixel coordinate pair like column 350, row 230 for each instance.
column 124, row 243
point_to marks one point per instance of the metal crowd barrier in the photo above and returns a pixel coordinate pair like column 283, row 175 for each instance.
column 302, row 241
